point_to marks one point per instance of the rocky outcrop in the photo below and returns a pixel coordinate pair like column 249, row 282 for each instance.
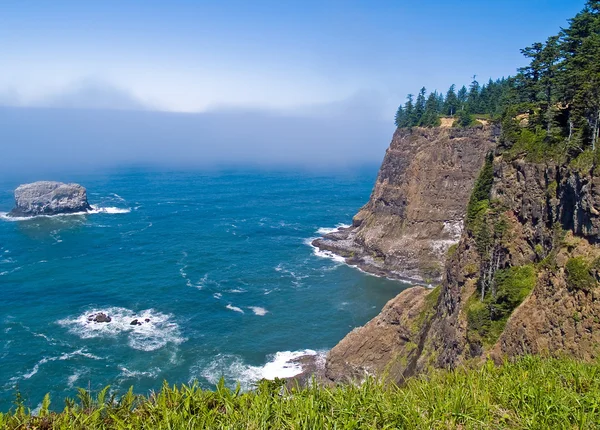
column 49, row 198
column 384, row 344
column 417, row 207
column 524, row 279
column 99, row 318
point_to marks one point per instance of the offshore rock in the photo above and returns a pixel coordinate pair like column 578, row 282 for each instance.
column 49, row 198
column 416, row 210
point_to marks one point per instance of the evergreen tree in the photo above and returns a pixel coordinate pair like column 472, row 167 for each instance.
column 430, row 116
column 420, row 106
column 452, row 103
column 473, row 98
column 409, row 112
column 399, row 118
column 462, row 97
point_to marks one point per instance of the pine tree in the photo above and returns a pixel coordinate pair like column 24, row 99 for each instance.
column 452, row 103
column 462, row 97
column 399, row 118
column 420, row 106
column 430, row 116
column 409, row 112
column 473, row 98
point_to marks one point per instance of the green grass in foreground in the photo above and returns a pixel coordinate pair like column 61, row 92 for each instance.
column 531, row 393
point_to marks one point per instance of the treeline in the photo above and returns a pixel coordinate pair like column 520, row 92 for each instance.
column 560, row 88
column 425, row 111
column 555, row 98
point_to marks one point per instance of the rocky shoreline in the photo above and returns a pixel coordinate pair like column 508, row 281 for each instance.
column 416, row 210
column 343, row 244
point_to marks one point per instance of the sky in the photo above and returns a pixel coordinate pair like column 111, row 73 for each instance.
column 191, row 56
column 349, row 63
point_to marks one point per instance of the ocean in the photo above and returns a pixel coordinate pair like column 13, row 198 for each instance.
column 218, row 262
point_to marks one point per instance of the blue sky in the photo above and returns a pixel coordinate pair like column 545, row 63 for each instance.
column 193, row 56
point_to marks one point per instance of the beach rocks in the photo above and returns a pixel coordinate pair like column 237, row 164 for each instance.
column 100, row 318
column 49, row 198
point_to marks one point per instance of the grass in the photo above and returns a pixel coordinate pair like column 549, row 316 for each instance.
column 530, row 393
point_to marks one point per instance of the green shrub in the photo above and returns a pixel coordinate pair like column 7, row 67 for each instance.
column 579, row 276
column 487, row 318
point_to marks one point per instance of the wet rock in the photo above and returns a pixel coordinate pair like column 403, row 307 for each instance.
column 102, row 318
column 49, row 198
column 134, row 322
column 147, row 320
column 417, row 206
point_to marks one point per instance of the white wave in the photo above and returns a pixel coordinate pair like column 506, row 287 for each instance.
column 321, row 253
column 152, row 373
column 279, row 365
column 326, row 230
column 108, row 210
column 258, row 310
column 95, row 210
column 234, row 308
column 150, row 335
column 297, row 278
column 65, row 356
column 217, row 295
column 237, row 291
column 74, row 377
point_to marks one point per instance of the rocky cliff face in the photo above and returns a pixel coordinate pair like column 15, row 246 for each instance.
column 524, row 278
column 49, row 198
column 417, row 207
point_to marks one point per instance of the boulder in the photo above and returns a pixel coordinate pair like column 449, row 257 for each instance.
column 102, row 318
column 134, row 322
column 49, row 198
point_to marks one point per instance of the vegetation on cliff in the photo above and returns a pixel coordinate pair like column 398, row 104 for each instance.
column 550, row 108
column 531, row 393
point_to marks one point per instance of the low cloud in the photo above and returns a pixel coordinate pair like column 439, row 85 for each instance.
column 37, row 140
column 84, row 94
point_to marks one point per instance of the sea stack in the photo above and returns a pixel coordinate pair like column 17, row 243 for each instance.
column 49, row 198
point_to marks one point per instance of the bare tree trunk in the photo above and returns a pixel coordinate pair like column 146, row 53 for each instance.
column 595, row 134
column 570, row 128
column 596, row 131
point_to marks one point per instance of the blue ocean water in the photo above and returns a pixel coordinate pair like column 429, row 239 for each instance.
column 219, row 262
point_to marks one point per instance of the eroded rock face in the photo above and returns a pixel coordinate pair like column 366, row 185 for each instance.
column 49, row 198
column 542, row 215
column 417, row 207
column 383, row 345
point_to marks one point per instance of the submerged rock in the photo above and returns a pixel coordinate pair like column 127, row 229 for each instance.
column 49, row 198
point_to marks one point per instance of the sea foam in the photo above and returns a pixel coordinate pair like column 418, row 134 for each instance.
column 282, row 364
column 234, row 308
column 95, row 210
column 148, row 336
column 258, row 310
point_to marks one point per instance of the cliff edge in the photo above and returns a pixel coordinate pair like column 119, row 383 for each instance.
column 523, row 279
column 416, row 210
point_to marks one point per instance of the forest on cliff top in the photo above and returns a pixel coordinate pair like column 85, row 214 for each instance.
column 552, row 105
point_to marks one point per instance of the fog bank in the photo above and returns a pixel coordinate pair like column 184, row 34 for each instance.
column 41, row 141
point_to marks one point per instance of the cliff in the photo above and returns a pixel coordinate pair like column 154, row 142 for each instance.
column 417, row 206
column 522, row 280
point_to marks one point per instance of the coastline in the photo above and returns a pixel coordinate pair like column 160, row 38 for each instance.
column 339, row 245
